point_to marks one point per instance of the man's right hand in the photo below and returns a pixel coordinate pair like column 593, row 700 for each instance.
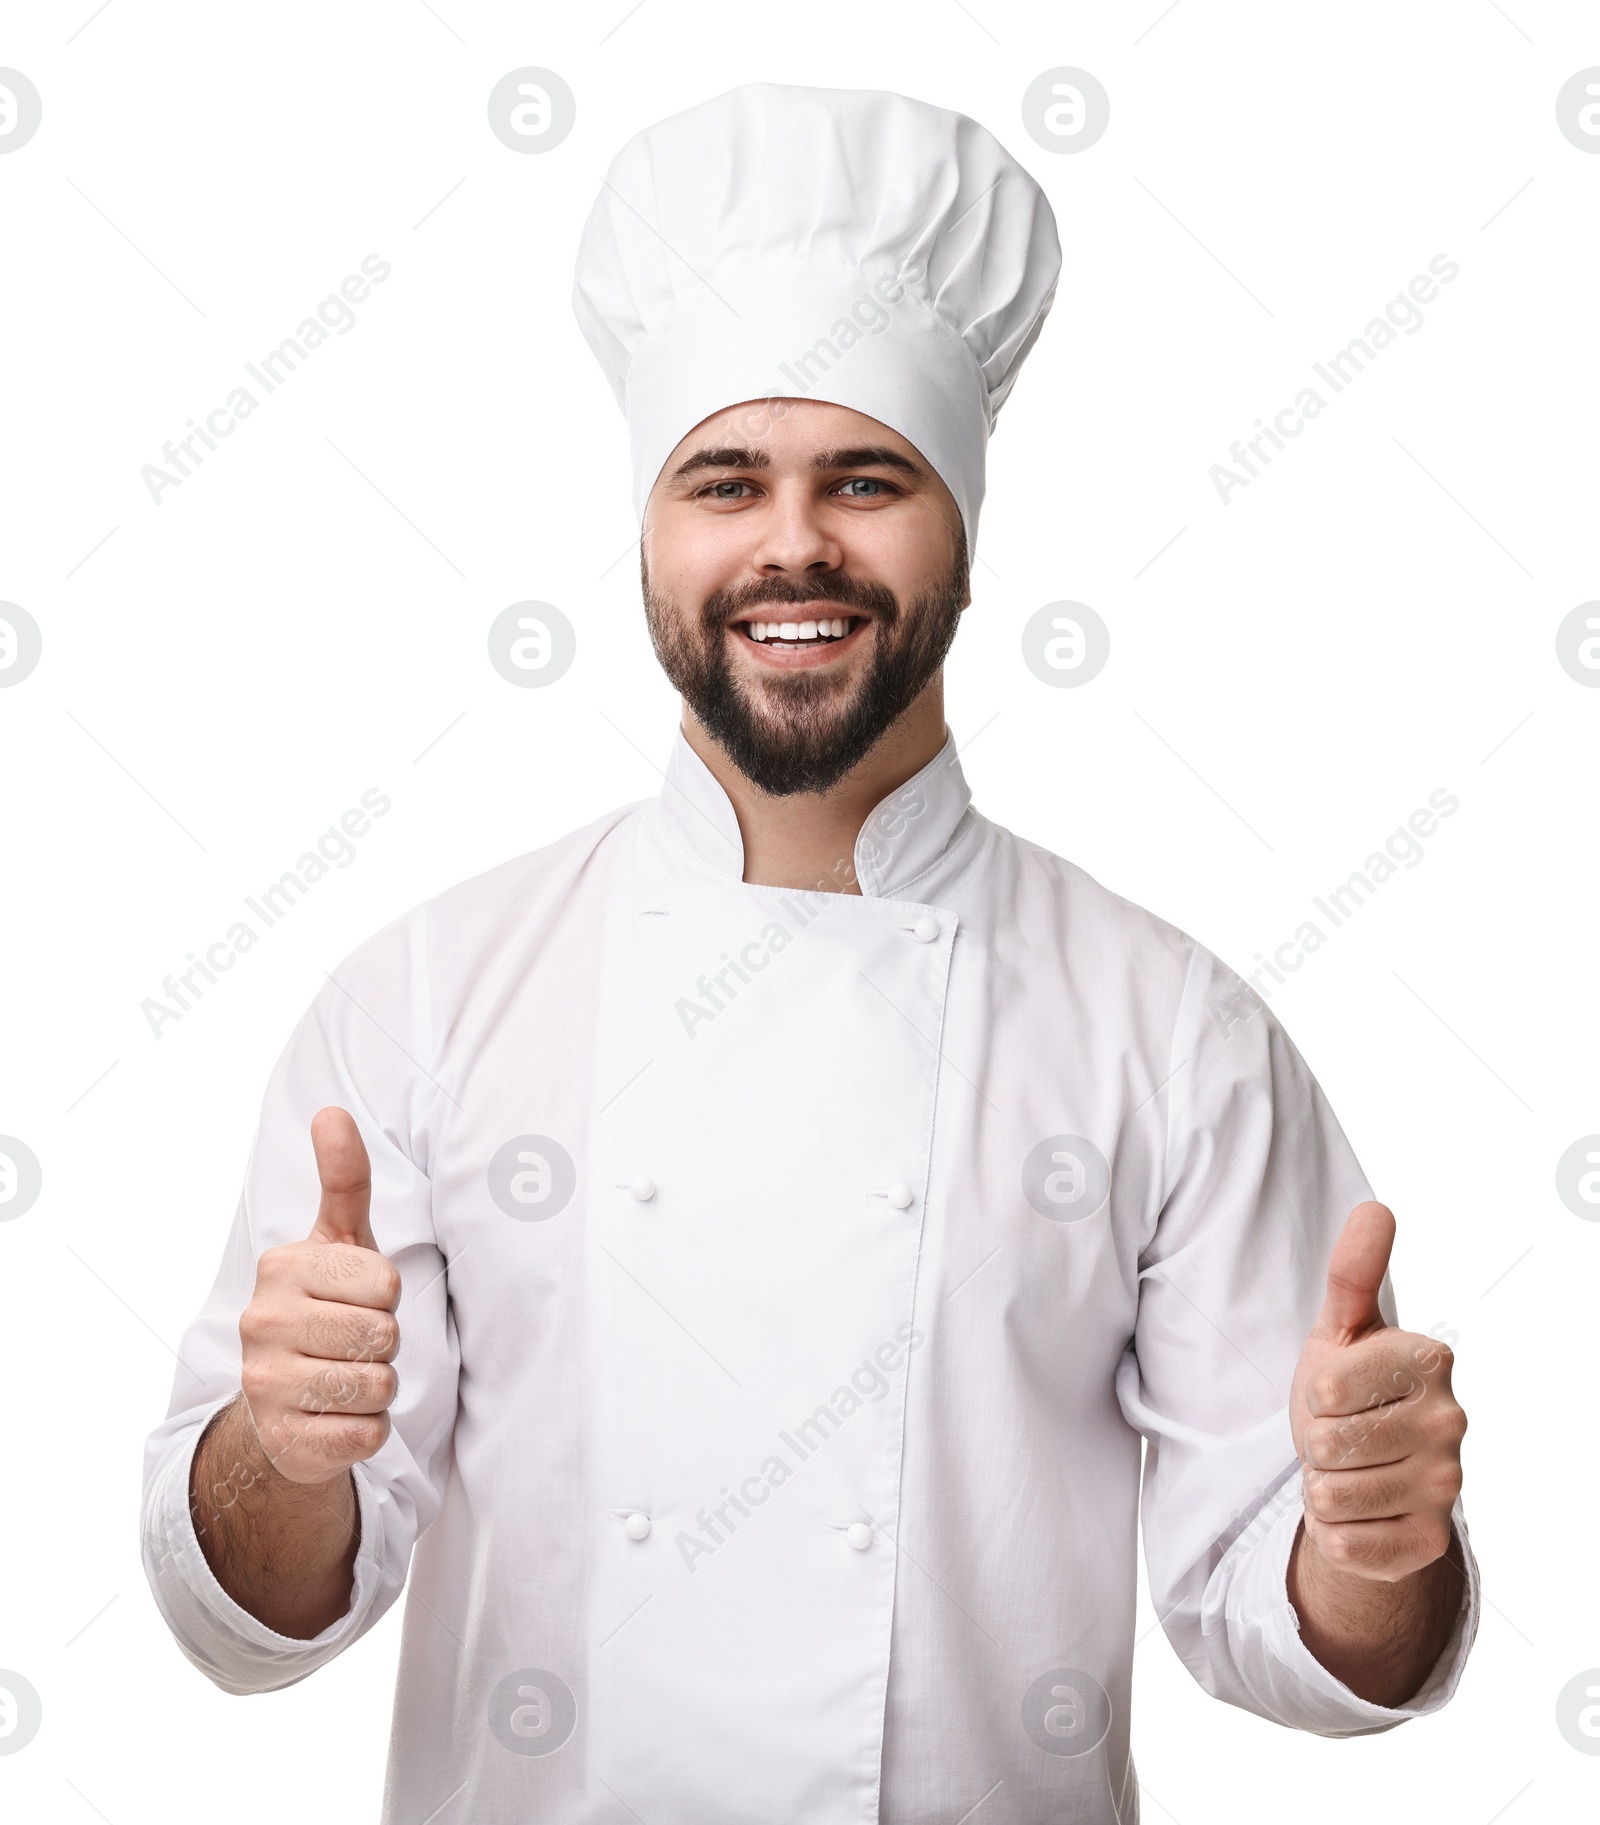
column 319, row 1334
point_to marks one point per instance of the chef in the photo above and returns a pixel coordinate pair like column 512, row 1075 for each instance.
column 724, row 1263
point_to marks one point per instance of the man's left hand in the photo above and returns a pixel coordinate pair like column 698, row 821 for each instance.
column 1374, row 1420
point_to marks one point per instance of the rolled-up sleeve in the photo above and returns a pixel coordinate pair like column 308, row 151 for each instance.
column 364, row 1045
column 1259, row 1181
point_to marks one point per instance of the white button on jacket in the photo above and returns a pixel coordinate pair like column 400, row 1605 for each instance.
column 1121, row 1185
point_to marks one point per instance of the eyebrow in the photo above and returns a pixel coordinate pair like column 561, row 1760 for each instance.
column 867, row 456
column 723, row 459
column 857, row 456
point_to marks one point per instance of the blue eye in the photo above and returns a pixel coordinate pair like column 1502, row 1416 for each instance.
column 863, row 481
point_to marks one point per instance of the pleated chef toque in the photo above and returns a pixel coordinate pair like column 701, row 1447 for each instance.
column 847, row 245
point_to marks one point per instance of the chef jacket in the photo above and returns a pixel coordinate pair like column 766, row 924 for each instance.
column 788, row 1281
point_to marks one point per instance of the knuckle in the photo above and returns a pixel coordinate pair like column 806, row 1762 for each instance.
column 366, row 1435
column 273, row 1266
column 1336, row 1546
column 1326, row 1391
column 1313, row 1495
column 1426, row 1354
column 1444, row 1486
column 374, row 1339
column 1443, row 1426
column 1433, row 1538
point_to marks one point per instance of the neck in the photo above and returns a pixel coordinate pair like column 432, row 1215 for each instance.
column 809, row 838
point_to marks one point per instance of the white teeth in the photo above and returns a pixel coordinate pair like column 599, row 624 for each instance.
column 824, row 628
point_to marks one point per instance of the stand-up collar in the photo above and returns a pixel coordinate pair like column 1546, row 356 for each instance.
column 903, row 837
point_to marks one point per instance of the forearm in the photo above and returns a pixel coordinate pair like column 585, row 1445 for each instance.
column 1380, row 1638
column 282, row 1550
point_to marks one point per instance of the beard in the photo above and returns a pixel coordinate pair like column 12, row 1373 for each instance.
column 804, row 732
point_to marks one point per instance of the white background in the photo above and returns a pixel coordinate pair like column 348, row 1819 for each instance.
column 1372, row 618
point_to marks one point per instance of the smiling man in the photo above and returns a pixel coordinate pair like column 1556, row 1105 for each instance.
column 802, row 592
column 741, row 1247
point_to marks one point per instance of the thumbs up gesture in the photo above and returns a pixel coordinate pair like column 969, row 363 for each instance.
column 1374, row 1421
column 319, row 1335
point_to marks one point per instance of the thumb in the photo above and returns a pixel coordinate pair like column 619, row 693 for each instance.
column 345, row 1174
column 1356, row 1268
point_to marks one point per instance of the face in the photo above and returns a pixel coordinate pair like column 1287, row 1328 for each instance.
column 804, row 572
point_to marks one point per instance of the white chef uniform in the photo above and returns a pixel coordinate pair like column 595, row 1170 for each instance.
column 789, row 1277
column 954, row 1189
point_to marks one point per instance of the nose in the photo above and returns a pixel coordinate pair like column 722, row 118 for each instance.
column 793, row 537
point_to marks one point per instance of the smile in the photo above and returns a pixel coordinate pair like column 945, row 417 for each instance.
column 813, row 632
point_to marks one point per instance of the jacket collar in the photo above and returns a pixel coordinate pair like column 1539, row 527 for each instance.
column 902, row 838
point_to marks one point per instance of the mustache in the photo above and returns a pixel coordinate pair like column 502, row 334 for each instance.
column 726, row 605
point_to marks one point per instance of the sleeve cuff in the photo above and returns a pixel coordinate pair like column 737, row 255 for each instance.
column 1303, row 1693
column 231, row 1647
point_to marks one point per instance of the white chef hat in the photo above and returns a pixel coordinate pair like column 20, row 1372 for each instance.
column 847, row 245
